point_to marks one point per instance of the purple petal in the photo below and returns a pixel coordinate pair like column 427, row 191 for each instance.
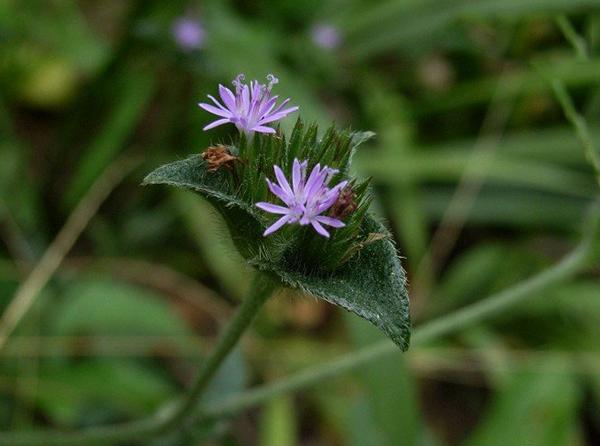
column 330, row 197
column 217, row 103
column 246, row 97
column 329, row 221
column 275, row 226
column 255, row 90
column 227, row 97
column 272, row 208
column 315, row 182
column 314, row 175
column 296, row 176
column 335, row 191
column 277, row 116
column 280, row 106
column 320, row 229
column 283, row 182
column 214, row 110
column 327, row 203
column 340, row 185
column 216, row 123
column 268, row 106
column 280, row 193
column 263, row 129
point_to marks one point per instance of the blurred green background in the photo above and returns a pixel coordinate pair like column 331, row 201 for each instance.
column 475, row 169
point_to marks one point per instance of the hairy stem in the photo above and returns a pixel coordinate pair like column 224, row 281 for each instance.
column 170, row 417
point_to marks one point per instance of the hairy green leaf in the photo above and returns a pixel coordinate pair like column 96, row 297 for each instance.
column 372, row 285
column 369, row 282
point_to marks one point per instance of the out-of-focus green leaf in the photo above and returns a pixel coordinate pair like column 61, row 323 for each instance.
column 470, row 274
column 569, row 315
column 390, row 390
column 555, row 145
column 18, row 198
column 398, row 24
column 105, row 307
column 571, row 72
column 448, row 166
column 64, row 391
column 360, row 427
column 532, row 409
column 395, row 135
column 483, row 270
column 62, row 27
column 132, row 94
column 512, row 207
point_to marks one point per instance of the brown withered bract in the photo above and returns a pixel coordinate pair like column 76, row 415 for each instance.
column 344, row 205
column 219, row 156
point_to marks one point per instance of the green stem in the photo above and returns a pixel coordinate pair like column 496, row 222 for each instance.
column 170, row 418
column 260, row 291
column 475, row 313
column 577, row 42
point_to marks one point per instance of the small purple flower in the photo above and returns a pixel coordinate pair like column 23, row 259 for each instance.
column 250, row 108
column 305, row 200
column 326, row 36
column 188, row 33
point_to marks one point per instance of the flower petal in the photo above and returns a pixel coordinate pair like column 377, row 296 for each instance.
column 320, row 229
column 327, row 203
column 297, row 178
column 263, row 129
column 214, row 110
column 216, row 123
column 280, row 106
column 280, row 193
column 282, row 180
column 268, row 106
column 245, row 97
column 330, row 197
column 275, row 226
column 227, row 97
column 329, row 221
column 277, row 116
column 272, row 208
column 217, row 103
column 314, row 182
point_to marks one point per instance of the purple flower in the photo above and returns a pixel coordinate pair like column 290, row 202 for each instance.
column 188, row 33
column 250, row 108
column 305, row 200
column 326, row 36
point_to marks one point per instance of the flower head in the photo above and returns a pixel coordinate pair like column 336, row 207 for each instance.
column 305, row 199
column 189, row 33
column 250, row 108
column 325, row 36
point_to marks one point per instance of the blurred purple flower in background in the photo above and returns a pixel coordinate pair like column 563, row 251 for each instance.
column 189, row 33
column 250, row 108
column 326, row 36
column 305, row 200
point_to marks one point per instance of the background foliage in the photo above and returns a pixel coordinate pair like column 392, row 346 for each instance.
column 476, row 169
